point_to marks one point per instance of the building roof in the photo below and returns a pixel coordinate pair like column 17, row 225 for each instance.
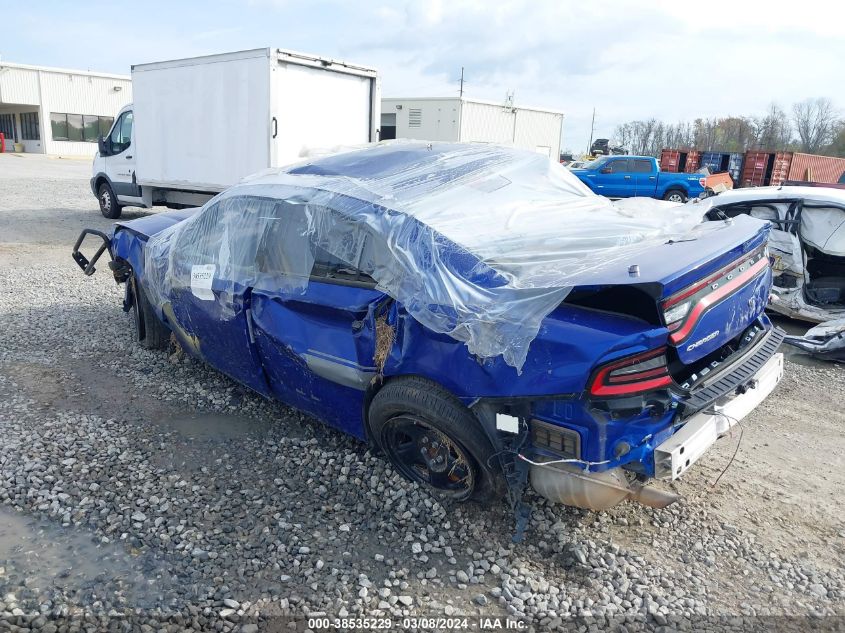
column 66, row 71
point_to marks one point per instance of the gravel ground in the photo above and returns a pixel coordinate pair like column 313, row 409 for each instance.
column 144, row 490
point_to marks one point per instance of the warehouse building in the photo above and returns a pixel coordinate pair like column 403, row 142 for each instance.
column 56, row 111
column 458, row 119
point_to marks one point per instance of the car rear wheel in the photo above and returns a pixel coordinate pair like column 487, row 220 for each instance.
column 675, row 195
column 108, row 202
column 150, row 332
column 432, row 439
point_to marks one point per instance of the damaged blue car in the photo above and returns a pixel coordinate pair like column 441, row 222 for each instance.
column 473, row 311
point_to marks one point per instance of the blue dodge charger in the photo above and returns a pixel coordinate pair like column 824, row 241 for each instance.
column 473, row 311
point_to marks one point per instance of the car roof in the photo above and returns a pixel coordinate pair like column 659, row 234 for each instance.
column 517, row 211
column 469, row 193
column 749, row 194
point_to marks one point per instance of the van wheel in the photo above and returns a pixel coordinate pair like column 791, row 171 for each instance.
column 675, row 195
column 432, row 439
column 150, row 332
column 108, row 202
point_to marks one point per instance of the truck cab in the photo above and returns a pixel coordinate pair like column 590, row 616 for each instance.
column 630, row 176
column 113, row 172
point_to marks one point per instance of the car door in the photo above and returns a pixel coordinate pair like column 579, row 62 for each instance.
column 644, row 175
column 316, row 336
column 204, row 287
column 615, row 179
column 120, row 161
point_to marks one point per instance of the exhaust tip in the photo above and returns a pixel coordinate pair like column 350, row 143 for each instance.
column 654, row 497
column 594, row 491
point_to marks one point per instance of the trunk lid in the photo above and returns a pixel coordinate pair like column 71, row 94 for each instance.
column 707, row 289
column 719, row 307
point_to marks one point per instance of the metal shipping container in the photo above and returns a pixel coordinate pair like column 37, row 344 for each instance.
column 721, row 162
column 713, row 161
column 765, row 168
column 680, row 160
column 735, row 167
column 757, row 169
column 812, row 168
column 693, row 161
column 780, row 168
column 669, row 159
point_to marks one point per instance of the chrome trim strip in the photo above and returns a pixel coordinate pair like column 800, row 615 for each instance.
column 339, row 373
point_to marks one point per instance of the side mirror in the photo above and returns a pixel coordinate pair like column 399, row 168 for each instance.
column 604, row 170
column 102, row 146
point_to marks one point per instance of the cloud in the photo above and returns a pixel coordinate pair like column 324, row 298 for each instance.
column 630, row 59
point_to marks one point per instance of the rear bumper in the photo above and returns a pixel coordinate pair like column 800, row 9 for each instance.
column 676, row 455
column 740, row 372
column 563, row 481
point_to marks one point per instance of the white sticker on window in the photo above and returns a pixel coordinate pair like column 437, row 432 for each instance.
column 201, row 278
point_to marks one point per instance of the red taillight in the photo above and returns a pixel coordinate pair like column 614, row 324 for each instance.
column 678, row 334
column 632, row 375
column 682, row 309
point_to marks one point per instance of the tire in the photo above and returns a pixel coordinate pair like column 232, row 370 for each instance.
column 108, row 202
column 150, row 332
column 413, row 405
column 675, row 195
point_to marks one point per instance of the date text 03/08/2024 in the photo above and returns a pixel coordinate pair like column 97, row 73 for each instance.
column 416, row 624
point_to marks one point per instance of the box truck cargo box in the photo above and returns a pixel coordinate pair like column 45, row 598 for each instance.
column 199, row 125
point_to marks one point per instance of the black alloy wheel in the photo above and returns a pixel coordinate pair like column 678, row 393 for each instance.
column 428, row 456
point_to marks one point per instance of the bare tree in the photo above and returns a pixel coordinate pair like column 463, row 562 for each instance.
column 623, row 135
column 737, row 133
column 704, row 134
column 815, row 122
column 773, row 131
column 647, row 138
column 837, row 145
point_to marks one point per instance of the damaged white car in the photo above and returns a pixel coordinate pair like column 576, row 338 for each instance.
column 808, row 247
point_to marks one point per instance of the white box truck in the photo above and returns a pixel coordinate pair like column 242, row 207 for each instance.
column 199, row 125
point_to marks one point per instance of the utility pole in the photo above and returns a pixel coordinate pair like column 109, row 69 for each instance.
column 592, row 129
column 461, row 94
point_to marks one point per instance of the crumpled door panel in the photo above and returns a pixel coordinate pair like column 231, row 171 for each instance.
column 318, row 349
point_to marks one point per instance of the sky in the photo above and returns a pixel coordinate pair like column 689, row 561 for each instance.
column 675, row 61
